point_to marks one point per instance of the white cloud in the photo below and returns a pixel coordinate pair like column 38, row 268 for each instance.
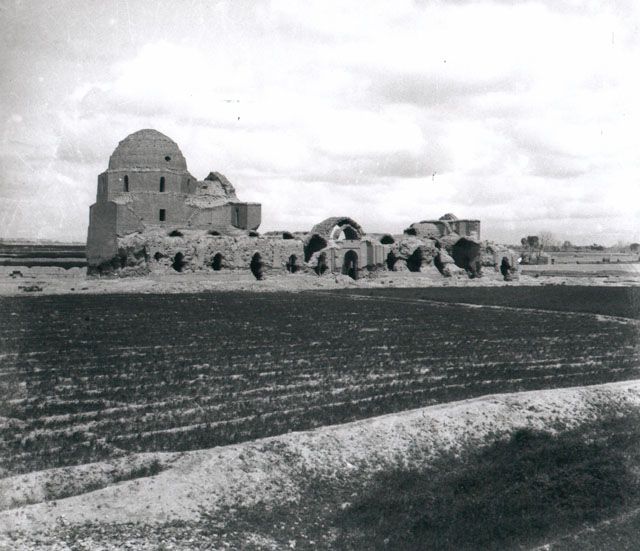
column 521, row 114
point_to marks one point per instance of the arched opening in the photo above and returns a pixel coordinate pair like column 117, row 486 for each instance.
column 321, row 266
column 162, row 181
column 391, row 261
column 414, row 262
column 158, row 256
column 315, row 244
column 345, row 231
column 287, row 235
column 126, row 182
column 466, row 254
column 178, row 263
column 387, row 239
column 292, row 264
column 217, row 262
column 236, row 217
column 350, row 264
column 506, row 269
column 257, row 266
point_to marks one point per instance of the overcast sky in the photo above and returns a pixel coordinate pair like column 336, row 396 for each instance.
column 525, row 115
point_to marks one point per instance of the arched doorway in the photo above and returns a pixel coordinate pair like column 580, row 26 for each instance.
column 350, row 264
column 414, row 262
column 178, row 263
column 257, row 266
column 466, row 254
column 321, row 266
column 292, row 264
column 216, row 264
column 391, row 261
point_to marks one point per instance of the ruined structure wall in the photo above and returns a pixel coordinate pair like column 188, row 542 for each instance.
column 430, row 230
column 274, row 253
column 466, row 228
column 144, row 182
column 127, row 220
column 369, row 253
column 101, row 195
column 217, row 217
column 143, row 209
column 102, row 241
column 246, row 215
column 254, row 215
column 377, row 254
column 440, row 228
column 199, row 250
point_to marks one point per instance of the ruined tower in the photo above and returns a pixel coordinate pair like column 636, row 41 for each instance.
column 147, row 186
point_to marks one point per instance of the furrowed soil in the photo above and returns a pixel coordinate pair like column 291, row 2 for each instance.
column 615, row 301
column 554, row 470
column 96, row 377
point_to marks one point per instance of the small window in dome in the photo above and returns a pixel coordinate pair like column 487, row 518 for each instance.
column 167, row 158
column 126, row 182
column 162, row 183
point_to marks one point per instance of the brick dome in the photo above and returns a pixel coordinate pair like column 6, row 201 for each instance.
column 448, row 216
column 147, row 149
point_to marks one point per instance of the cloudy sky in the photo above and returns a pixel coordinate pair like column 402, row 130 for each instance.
column 525, row 115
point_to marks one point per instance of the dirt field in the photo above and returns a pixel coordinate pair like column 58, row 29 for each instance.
column 20, row 281
column 88, row 378
column 304, row 490
column 111, row 390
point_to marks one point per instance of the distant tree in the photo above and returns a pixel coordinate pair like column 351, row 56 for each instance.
column 547, row 240
column 533, row 242
column 524, row 242
column 567, row 245
column 634, row 247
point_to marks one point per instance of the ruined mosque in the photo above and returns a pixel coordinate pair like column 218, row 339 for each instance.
column 152, row 215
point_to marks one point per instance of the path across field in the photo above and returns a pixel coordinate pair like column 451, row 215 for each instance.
column 84, row 378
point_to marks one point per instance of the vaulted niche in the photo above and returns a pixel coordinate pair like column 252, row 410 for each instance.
column 350, row 264
column 217, row 262
column 292, row 264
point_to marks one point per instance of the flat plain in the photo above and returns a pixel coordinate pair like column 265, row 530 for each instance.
column 93, row 377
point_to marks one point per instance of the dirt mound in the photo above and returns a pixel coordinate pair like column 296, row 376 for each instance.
column 273, row 470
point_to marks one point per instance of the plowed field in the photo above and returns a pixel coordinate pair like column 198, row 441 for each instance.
column 83, row 378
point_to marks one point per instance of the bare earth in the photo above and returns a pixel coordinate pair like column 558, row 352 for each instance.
column 221, row 481
column 268, row 471
column 74, row 280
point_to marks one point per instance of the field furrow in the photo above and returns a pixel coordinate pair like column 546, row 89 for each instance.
column 84, row 378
